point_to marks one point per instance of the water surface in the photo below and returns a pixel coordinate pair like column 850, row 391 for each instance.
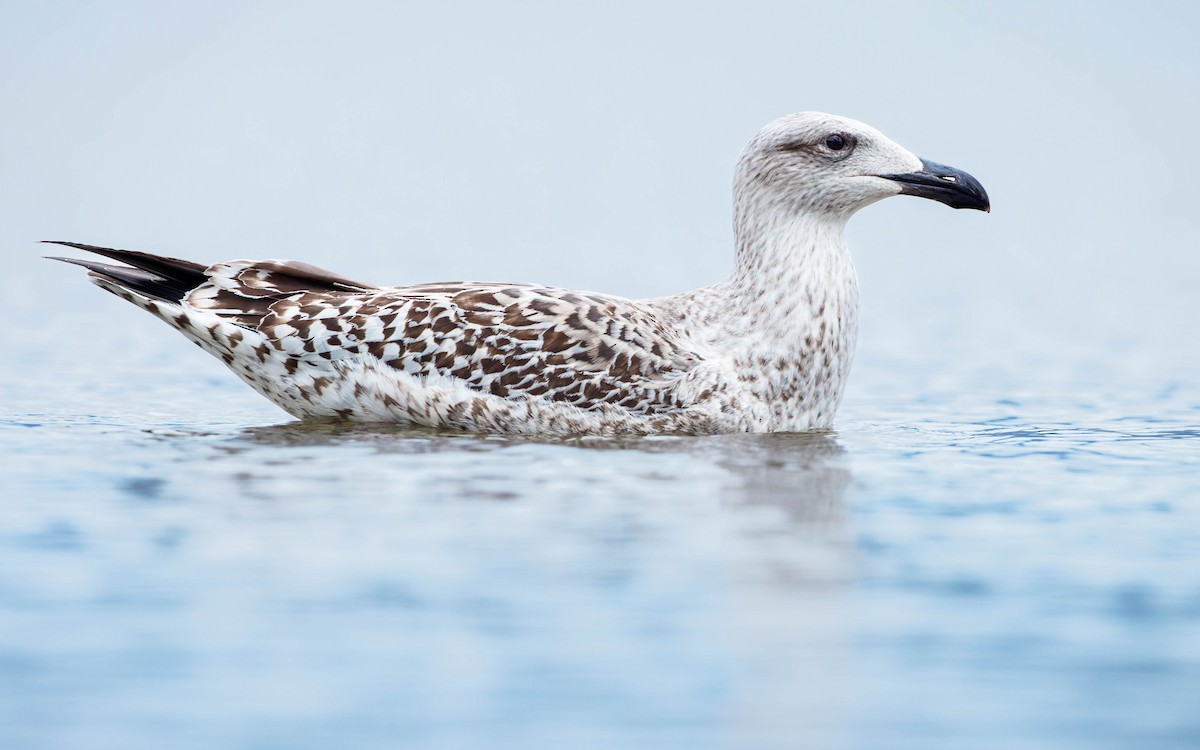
column 181, row 566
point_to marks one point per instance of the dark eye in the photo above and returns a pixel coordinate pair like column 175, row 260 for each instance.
column 835, row 142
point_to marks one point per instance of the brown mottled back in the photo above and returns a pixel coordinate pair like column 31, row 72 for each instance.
column 506, row 340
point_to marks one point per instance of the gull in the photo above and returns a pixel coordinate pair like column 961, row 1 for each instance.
column 768, row 349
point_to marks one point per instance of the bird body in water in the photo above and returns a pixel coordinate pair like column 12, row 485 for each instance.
column 767, row 350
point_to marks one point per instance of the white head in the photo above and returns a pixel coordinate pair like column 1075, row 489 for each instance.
column 814, row 163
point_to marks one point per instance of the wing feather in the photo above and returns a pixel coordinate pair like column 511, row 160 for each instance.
column 508, row 340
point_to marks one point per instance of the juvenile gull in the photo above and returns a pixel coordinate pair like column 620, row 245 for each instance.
column 766, row 350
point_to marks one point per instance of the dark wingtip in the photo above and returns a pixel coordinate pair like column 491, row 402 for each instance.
column 89, row 265
column 168, row 279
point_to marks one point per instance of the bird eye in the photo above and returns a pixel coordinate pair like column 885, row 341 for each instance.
column 835, row 142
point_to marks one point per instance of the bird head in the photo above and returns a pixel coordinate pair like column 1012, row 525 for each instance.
column 811, row 162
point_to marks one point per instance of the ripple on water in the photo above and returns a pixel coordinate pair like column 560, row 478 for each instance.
column 917, row 579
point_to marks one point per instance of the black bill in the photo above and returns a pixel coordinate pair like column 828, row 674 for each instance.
column 943, row 184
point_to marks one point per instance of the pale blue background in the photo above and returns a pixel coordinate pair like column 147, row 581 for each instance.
column 593, row 146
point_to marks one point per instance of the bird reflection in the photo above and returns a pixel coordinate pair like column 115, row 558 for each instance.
column 801, row 474
column 790, row 484
column 749, row 534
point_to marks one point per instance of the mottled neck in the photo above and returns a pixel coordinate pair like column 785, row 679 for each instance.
column 791, row 267
column 793, row 311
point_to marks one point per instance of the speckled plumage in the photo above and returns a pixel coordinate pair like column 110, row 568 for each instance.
column 769, row 349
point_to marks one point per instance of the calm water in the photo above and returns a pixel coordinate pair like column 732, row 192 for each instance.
column 978, row 560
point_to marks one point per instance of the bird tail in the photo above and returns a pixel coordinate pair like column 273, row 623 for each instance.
column 154, row 276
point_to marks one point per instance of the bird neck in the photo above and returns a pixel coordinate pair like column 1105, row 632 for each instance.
column 792, row 311
column 789, row 264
